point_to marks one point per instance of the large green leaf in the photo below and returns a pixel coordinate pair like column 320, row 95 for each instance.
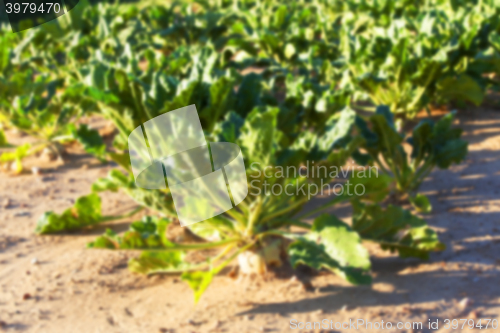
column 85, row 212
column 438, row 143
column 149, row 233
column 421, row 203
column 248, row 95
column 259, row 136
column 150, row 262
column 395, row 229
column 160, row 201
column 90, row 140
column 338, row 128
column 374, row 186
column 333, row 245
column 214, row 228
column 16, row 156
column 3, row 139
column 198, row 281
column 462, row 88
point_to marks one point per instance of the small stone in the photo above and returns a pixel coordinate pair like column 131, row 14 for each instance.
column 34, row 261
column 319, row 312
column 36, row 171
column 233, row 274
column 128, row 313
column 465, row 302
column 248, row 318
column 20, row 214
column 26, row 296
column 85, row 166
column 344, row 307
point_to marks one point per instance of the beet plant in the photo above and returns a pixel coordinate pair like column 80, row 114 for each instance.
column 433, row 144
column 267, row 228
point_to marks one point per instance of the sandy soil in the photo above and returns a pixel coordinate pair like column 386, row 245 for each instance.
column 73, row 289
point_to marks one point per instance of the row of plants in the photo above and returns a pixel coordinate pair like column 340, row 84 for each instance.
column 287, row 83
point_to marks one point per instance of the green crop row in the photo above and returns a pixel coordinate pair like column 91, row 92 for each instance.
column 290, row 84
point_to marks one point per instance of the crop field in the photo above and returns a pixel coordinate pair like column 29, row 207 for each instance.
column 368, row 189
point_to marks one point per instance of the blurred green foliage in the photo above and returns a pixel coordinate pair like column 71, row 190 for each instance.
column 286, row 82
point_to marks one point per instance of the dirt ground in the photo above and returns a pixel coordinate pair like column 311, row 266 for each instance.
column 55, row 284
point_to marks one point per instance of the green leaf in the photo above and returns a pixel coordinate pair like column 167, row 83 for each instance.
column 221, row 101
column 395, row 229
column 258, row 138
column 438, row 143
column 112, row 182
column 375, row 187
column 383, row 126
column 3, row 139
column 16, row 156
column 280, row 16
column 453, row 151
column 150, row 262
column 333, row 245
column 228, row 130
column 90, row 140
column 85, row 212
column 338, row 128
column 162, row 255
column 421, row 203
column 157, row 200
column 461, row 88
column 341, row 242
column 420, row 138
column 213, row 229
column 149, row 233
column 248, row 95
column 198, row 281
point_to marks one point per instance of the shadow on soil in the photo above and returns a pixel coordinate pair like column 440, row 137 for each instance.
column 464, row 214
